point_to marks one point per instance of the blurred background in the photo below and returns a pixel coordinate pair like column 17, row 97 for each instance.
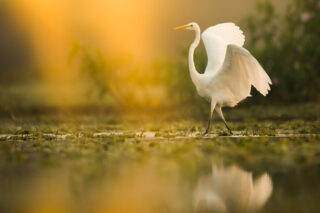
column 98, row 112
column 124, row 55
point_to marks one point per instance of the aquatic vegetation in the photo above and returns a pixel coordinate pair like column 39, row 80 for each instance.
column 101, row 162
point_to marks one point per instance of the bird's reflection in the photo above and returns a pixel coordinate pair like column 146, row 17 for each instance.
column 231, row 189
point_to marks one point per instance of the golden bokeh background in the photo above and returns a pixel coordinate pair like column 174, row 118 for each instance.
column 138, row 30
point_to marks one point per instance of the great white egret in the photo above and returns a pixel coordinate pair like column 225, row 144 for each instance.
column 231, row 69
column 231, row 189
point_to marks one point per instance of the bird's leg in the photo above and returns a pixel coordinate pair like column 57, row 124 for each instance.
column 213, row 105
column 225, row 123
column 207, row 130
column 219, row 111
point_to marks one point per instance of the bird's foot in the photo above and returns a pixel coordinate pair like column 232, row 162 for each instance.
column 206, row 132
column 228, row 128
column 231, row 133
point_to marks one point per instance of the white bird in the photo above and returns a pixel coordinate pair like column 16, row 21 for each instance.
column 231, row 189
column 231, row 69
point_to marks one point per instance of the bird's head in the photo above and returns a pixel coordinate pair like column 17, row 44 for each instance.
column 190, row 26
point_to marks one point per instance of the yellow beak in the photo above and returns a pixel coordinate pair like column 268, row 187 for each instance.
column 181, row 27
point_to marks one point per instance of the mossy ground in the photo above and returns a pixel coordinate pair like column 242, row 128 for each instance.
column 118, row 162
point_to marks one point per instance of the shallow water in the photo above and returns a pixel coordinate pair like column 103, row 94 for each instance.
column 162, row 175
column 104, row 164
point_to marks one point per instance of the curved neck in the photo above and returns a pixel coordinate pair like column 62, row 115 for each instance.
column 195, row 76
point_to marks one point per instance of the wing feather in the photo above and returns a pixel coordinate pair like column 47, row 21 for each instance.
column 262, row 189
column 216, row 40
column 239, row 71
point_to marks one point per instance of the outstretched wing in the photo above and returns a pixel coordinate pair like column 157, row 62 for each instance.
column 216, row 39
column 239, row 71
column 262, row 189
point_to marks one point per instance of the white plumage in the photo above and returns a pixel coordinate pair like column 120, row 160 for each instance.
column 216, row 40
column 231, row 69
column 231, row 189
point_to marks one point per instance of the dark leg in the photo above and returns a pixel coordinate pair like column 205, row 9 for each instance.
column 219, row 111
column 225, row 123
column 208, row 128
column 213, row 105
